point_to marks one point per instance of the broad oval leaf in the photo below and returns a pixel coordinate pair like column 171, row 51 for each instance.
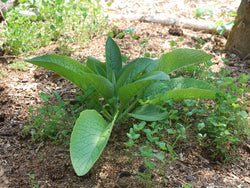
column 149, row 112
column 64, row 66
column 181, row 88
column 180, row 58
column 101, row 84
column 113, row 56
column 89, row 137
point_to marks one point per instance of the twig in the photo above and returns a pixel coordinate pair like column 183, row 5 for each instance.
column 5, row 134
column 1, row 12
column 8, row 56
column 248, row 55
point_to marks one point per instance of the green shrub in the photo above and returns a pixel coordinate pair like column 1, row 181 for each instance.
column 53, row 20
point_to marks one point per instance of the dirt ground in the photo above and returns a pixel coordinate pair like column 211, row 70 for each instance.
column 51, row 163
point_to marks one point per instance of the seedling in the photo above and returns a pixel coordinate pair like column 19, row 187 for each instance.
column 33, row 183
column 19, row 65
column 2, row 74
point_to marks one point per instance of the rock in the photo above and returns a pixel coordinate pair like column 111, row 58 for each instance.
column 190, row 178
column 124, row 174
column 24, row 81
column 142, row 168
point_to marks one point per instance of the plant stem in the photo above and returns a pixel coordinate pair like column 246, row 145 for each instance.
column 121, row 117
column 106, row 114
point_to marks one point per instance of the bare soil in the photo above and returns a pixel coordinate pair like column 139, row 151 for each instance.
column 51, row 163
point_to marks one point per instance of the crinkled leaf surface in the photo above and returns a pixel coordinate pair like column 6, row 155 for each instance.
column 101, row 84
column 113, row 56
column 149, row 112
column 178, row 58
column 140, row 65
column 89, row 137
column 181, row 88
column 127, row 92
column 64, row 66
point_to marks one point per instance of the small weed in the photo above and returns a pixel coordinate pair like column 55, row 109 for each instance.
column 125, row 58
column 187, row 186
column 173, row 44
column 142, row 45
column 54, row 121
column 181, row 39
column 32, row 181
column 2, row 74
column 115, row 32
column 19, row 65
column 133, row 36
column 200, row 12
column 155, row 147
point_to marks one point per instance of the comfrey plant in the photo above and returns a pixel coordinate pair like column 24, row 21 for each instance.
column 121, row 88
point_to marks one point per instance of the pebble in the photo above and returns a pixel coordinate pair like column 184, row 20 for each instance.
column 142, row 168
column 24, row 81
column 190, row 178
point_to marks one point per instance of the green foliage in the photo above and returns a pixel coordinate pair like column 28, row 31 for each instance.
column 19, row 65
column 227, row 121
column 54, row 121
column 32, row 181
column 220, row 124
column 203, row 10
column 121, row 88
column 180, row 58
column 220, row 25
column 2, row 74
column 157, row 150
column 49, row 21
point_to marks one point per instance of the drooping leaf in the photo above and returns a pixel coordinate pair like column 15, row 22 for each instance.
column 127, row 92
column 113, row 56
column 149, row 112
column 96, row 66
column 180, row 58
column 64, row 66
column 89, row 137
column 101, row 84
column 181, row 88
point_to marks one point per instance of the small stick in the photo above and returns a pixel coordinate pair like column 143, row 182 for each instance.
column 1, row 12
column 8, row 56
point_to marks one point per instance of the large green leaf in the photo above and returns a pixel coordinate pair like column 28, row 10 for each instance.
column 101, row 84
column 113, row 56
column 149, row 112
column 89, row 137
column 180, row 58
column 181, row 88
column 64, row 66
column 96, row 66
column 127, row 92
